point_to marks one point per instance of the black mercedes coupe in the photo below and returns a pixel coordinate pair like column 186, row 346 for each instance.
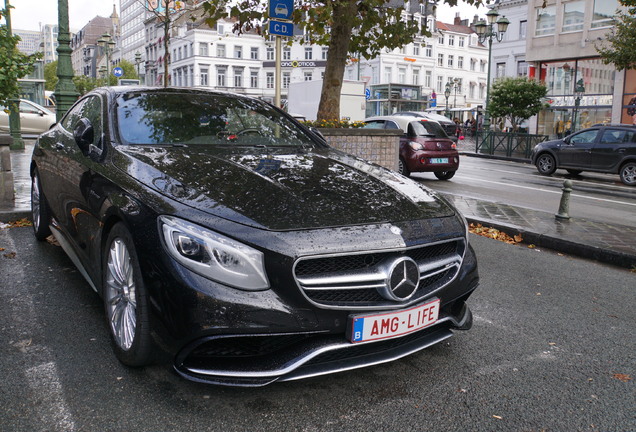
column 218, row 229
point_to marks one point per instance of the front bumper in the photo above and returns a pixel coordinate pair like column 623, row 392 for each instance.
column 312, row 354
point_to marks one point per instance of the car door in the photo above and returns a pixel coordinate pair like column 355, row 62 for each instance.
column 32, row 119
column 576, row 151
column 612, row 147
column 76, row 176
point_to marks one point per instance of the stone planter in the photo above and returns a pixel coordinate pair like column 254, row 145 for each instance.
column 7, row 194
column 378, row 146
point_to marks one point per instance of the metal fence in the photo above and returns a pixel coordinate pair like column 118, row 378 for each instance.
column 507, row 144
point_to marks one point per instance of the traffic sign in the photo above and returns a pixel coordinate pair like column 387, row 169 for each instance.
column 281, row 9
column 281, row 28
column 367, row 94
column 118, row 71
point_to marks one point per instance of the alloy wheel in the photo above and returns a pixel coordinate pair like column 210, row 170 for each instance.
column 120, row 295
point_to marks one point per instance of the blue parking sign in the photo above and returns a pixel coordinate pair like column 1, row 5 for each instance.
column 281, row 28
column 281, row 9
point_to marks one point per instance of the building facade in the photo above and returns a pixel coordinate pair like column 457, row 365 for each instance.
column 561, row 52
column 87, row 54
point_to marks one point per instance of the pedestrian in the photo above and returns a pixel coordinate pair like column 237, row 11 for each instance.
column 631, row 109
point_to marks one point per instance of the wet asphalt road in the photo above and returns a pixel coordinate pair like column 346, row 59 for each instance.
column 552, row 349
column 595, row 196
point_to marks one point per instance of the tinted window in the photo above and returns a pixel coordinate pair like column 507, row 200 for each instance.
column 391, row 125
column 427, row 128
column 616, row 136
column 195, row 118
column 588, row 136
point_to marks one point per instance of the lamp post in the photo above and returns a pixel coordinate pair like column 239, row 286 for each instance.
column 137, row 63
column 17, row 142
column 455, row 87
column 487, row 31
column 579, row 91
column 447, row 92
column 65, row 90
column 108, row 44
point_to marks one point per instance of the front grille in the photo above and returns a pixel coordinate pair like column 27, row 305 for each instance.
column 356, row 280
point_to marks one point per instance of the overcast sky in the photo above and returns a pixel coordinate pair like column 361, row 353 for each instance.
column 29, row 14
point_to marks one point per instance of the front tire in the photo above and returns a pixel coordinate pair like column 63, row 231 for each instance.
column 444, row 175
column 546, row 164
column 402, row 169
column 126, row 300
column 40, row 213
column 628, row 173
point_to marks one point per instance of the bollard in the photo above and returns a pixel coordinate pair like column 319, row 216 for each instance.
column 565, row 201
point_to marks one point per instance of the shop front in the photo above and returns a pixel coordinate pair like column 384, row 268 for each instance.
column 580, row 94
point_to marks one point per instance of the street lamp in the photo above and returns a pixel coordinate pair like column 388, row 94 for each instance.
column 108, row 45
column 456, row 87
column 137, row 63
column 447, row 93
column 579, row 91
column 487, row 31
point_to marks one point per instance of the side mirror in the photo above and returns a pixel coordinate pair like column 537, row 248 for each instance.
column 84, row 134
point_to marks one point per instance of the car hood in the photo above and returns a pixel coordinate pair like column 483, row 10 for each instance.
column 279, row 189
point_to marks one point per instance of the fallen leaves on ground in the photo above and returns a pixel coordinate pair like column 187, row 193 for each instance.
column 494, row 233
column 52, row 240
column 10, row 255
column 622, row 377
column 24, row 222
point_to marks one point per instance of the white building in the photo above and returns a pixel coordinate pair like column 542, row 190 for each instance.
column 131, row 29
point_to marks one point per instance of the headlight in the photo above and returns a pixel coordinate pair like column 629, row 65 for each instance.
column 213, row 255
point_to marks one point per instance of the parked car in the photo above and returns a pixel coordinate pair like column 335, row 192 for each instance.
column 424, row 146
column 601, row 148
column 450, row 127
column 34, row 118
column 217, row 228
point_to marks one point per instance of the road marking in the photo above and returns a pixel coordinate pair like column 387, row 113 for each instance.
column 49, row 398
column 559, row 192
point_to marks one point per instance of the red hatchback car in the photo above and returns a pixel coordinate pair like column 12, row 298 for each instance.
column 424, row 146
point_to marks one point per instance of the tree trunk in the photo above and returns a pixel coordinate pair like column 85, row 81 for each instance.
column 343, row 13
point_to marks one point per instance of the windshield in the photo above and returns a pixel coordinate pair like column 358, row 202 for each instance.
column 200, row 118
column 426, row 128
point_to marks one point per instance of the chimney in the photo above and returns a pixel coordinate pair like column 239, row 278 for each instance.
column 458, row 20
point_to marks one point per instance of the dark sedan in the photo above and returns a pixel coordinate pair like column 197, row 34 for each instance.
column 219, row 230
column 602, row 148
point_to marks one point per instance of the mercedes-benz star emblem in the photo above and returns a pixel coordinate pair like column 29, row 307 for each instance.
column 402, row 281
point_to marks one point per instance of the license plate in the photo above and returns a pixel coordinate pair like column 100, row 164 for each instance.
column 386, row 325
column 439, row 160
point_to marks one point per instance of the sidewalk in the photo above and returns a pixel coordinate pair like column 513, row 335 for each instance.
column 613, row 244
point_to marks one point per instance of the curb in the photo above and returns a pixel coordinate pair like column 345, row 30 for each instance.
column 13, row 215
column 607, row 256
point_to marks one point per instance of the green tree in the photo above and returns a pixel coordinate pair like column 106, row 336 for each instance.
column 13, row 64
column 347, row 27
column 622, row 40
column 50, row 75
column 516, row 99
